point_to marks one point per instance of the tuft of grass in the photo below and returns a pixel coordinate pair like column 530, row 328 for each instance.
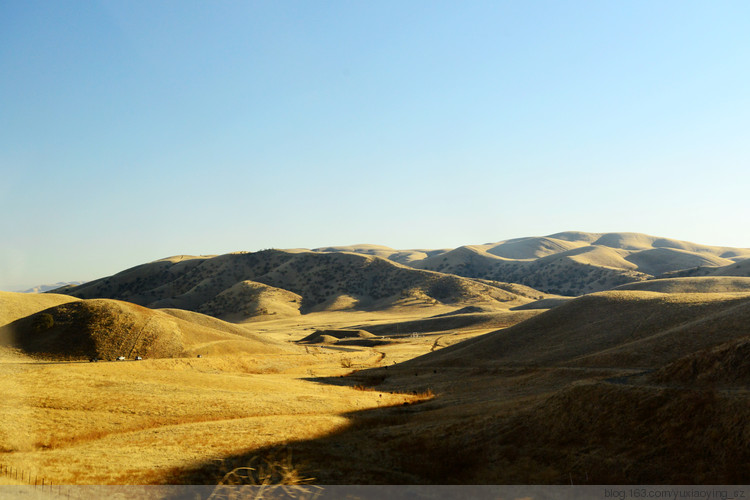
column 274, row 474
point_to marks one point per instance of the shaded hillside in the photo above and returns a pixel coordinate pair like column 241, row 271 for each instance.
column 241, row 286
column 108, row 329
column 609, row 329
column 599, row 433
column 612, row 388
column 727, row 364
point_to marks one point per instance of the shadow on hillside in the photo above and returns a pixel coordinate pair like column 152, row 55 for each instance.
column 363, row 452
column 572, row 431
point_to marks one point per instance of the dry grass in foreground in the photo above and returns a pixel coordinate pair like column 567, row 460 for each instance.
column 135, row 422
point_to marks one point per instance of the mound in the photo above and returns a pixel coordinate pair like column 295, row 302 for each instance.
column 470, row 261
column 543, row 304
column 612, row 329
column 741, row 268
column 14, row 306
column 531, row 248
column 108, row 329
column 400, row 256
column 248, row 299
column 463, row 310
column 662, row 260
column 691, row 285
column 335, row 335
column 205, row 321
column 626, row 241
column 359, row 338
column 594, row 256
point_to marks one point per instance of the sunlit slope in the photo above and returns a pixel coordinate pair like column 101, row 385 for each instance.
column 108, row 329
column 610, row 329
column 400, row 256
column 740, row 268
column 703, row 284
column 243, row 286
column 18, row 305
column 573, row 262
column 531, row 248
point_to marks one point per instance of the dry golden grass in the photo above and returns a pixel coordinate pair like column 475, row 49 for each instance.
column 15, row 306
column 123, row 422
column 556, row 397
column 107, row 329
column 140, row 422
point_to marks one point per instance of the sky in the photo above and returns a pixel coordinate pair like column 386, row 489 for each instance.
column 135, row 130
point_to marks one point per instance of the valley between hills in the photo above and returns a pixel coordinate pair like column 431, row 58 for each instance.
column 615, row 358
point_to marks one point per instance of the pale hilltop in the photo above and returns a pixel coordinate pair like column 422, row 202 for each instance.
column 573, row 262
column 48, row 288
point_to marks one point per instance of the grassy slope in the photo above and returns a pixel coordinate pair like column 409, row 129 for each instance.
column 244, row 285
column 14, row 306
column 107, row 329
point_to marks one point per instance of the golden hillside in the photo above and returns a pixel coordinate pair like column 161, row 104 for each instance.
column 14, row 305
column 108, row 329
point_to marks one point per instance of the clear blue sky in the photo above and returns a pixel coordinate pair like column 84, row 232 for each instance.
column 134, row 130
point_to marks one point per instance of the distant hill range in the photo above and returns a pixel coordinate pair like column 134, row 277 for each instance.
column 243, row 286
column 49, row 288
column 573, row 263
column 238, row 287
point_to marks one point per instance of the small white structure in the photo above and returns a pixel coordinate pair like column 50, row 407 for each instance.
column 120, row 358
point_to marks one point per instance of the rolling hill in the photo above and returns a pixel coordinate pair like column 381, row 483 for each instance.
column 242, row 286
column 107, row 329
column 618, row 329
column 704, row 284
column 16, row 305
column 620, row 387
column 575, row 263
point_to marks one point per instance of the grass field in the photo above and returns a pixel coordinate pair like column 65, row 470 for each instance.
column 611, row 388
